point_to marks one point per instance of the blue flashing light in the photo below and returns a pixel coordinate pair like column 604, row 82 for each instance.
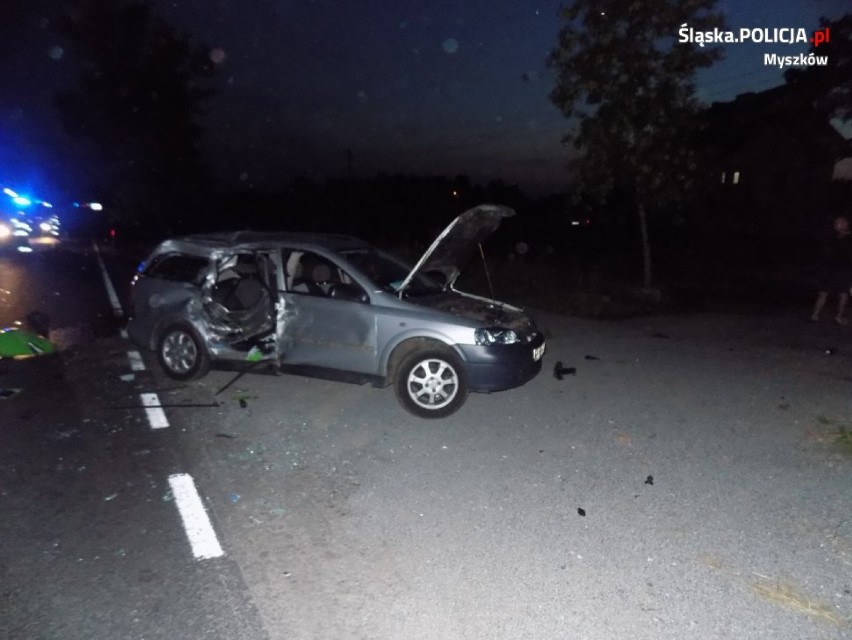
column 22, row 201
column 10, row 193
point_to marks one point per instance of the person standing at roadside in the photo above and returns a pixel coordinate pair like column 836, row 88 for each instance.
column 835, row 270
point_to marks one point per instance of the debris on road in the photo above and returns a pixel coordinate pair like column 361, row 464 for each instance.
column 17, row 343
column 5, row 394
column 242, row 397
column 649, row 480
column 660, row 335
column 623, row 438
column 588, row 357
column 64, row 434
column 581, row 511
column 559, row 371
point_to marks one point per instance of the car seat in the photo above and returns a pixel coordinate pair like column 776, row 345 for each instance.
column 312, row 271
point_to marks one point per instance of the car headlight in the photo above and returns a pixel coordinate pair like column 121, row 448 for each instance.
column 495, row 335
column 5, row 231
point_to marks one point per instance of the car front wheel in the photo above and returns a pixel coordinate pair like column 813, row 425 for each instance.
column 181, row 353
column 431, row 383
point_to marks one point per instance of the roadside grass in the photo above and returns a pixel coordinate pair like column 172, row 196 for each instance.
column 832, row 432
column 611, row 289
column 558, row 288
column 845, row 440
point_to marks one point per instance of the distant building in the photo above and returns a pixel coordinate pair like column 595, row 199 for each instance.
column 767, row 164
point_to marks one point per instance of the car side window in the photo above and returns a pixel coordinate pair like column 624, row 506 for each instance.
column 178, row 268
column 309, row 273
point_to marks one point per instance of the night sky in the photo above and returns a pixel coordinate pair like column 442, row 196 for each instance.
column 421, row 87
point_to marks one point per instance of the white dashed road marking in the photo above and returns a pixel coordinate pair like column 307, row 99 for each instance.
column 136, row 362
column 196, row 522
column 156, row 416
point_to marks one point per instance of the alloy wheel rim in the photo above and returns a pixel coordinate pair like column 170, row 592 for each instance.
column 180, row 352
column 433, row 384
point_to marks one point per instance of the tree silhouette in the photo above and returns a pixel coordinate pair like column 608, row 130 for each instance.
column 625, row 82
column 140, row 96
column 829, row 87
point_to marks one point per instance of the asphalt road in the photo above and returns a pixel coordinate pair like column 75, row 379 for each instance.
column 91, row 542
column 686, row 482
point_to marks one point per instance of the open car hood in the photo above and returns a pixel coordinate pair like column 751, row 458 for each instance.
column 455, row 245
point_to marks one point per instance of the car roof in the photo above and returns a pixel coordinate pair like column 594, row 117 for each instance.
column 248, row 240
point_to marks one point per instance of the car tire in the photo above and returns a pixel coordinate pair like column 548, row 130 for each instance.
column 181, row 353
column 431, row 383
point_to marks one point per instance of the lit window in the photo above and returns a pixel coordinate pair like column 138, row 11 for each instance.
column 723, row 177
column 736, row 179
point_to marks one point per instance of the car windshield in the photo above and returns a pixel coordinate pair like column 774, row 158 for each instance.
column 389, row 272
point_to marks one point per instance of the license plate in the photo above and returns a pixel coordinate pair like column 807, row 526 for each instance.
column 538, row 352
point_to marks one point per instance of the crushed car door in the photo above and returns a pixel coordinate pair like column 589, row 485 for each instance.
column 329, row 322
column 241, row 302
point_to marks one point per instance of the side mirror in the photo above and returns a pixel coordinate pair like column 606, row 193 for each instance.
column 343, row 291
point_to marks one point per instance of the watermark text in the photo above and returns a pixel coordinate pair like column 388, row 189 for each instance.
column 782, row 35
column 801, row 60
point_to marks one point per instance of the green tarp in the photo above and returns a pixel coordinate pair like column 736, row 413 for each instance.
column 18, row 343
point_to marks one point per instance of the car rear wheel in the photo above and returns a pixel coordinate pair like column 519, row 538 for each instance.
column 431, row 383
column 181, row 353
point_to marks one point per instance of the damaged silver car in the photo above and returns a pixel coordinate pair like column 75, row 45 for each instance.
column 336, row 307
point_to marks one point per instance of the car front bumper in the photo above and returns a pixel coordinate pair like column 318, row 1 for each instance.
column 499, row 367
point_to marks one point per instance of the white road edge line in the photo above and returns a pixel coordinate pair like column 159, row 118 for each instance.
column 136, row 362
column 156, row 416
column 113, row 297
column 123, row 333
column 196, row 522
